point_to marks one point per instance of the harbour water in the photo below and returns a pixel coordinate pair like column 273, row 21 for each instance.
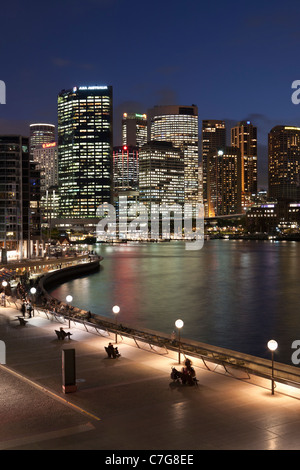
column 234, row 294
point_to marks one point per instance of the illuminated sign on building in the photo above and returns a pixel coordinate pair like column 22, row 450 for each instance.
column 93, row 88
column 48, row 145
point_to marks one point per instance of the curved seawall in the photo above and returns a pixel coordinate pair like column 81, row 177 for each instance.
column 50, row 280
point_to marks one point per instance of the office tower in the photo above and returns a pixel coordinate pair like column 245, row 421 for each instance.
column 179, row 125
column 125, row 168
column 244, row 137
column 213, row 137
column 19, row 202
column 125, row 177
column 46, row 158
column 224, row 181
column 84, row 150
column 161, row 174
column 40, row 134
column 284, row 162
column 134, row 129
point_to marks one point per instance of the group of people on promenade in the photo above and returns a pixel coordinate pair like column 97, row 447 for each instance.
column 187, row 375
column 27, row 307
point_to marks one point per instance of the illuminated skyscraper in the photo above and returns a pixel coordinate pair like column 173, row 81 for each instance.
column 244, row 137
column 179, row 125
column 20, row 224
column 284, row 162
column 161, row 174
column 134, row 129
column 84, row 150
column 125, row 168
column 224, row 181
column 213, row 137
column 46, row 157
column 40, row 134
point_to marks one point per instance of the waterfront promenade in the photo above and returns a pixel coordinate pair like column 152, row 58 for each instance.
column 130, row 403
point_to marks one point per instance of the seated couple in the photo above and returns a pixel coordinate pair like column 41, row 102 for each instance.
column 112, row 351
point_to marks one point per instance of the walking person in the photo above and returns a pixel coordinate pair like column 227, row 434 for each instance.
column 29, row 309
column 23, row 309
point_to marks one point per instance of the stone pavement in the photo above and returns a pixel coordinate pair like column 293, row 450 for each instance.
column 130, row 403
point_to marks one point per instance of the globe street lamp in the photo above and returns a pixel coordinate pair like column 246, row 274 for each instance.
column 272, row 345
column 116, row 310
column 69, row 299
column 179, row 324
column 33, row 292
column 4, row 285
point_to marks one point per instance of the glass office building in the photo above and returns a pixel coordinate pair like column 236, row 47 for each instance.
column 85, row 147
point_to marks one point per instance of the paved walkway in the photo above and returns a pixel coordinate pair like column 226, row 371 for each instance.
column 130, row 403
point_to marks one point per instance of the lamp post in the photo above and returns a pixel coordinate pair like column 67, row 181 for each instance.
column 272, row 345
column 4, row 285
column 33, row 292
column 116, row 310
column 179, row 324
column 69, row 299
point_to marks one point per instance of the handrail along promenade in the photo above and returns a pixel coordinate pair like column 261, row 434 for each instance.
column 211, row 356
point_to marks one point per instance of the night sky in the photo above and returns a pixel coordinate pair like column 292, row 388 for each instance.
column 235, row 60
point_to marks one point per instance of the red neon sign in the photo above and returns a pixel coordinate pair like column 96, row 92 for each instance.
column 50, row 144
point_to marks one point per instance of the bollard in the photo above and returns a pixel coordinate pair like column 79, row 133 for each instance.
column 68, row 371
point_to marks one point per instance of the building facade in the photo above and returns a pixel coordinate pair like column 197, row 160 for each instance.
column 134, row 129
column 284, row 163
column 161, row 174
column 224, row 181
column 213, row 136
column 20, row 229
column 46, row 157
column 179, row 125
column 40, row 134
column 244, row 137
column 85, row 147
column 126, row 168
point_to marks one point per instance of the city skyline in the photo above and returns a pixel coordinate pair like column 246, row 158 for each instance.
column 229, row 71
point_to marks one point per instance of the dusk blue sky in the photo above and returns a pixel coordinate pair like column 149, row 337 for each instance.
column 235, row 60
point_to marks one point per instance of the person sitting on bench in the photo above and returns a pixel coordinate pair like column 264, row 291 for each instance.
column 64, row 333
column 111, row 351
